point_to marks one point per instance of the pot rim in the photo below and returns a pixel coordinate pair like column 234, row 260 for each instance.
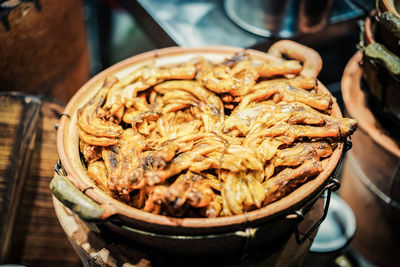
column 114, row 207
column 387, row 5
column 357, row 108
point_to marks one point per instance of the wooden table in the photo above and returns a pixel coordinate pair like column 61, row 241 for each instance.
column 36, row 237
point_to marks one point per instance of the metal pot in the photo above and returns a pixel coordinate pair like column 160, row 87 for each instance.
column 279, row 19
column 187, row 235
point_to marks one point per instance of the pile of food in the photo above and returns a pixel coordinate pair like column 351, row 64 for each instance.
column 205, row 139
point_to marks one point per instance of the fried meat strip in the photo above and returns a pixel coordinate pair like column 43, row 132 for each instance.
column 97, row 171
column 235, row 80
column 297, row 155
column 175, row 100
column 188, row 190
column 90, row 153
column 289, row 179
column 288, row 93
column 281, row 120
column 173, row 125
column 142, row 79
column 297, row 131
column 210, row 109
column 122, row 160
column 91, row 126
column 241, row 192
column 258, row 116
column 133, row 117
column 301, row 152
column 307, row 83
column 235, row 158
column 96, row 141
column 205, row 155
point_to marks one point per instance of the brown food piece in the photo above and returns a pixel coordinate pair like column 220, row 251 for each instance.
column 275, row 68
column 241, row 192
column 93, row 128
column 97, row 171
column 287, row 180
column 307, row 83
column 90, row 153
column 188, row 190
column 288, row 93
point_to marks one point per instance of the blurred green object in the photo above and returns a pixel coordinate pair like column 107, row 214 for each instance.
column 343, row 261
column 384, row 57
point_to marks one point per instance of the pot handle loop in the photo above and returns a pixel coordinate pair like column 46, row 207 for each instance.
column 87, row 209
column 312, row 62
column 331, row 187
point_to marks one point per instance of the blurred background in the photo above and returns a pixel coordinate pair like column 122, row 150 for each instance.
column 50, row 48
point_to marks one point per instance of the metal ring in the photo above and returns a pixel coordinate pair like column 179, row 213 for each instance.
column 87, row 188
column 65, row 114
column 59, row 169
column 300, row 215
column 333, row 185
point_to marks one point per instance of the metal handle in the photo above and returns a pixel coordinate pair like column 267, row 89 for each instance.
column 312, row 62
column 63, row 189
column 331, row 187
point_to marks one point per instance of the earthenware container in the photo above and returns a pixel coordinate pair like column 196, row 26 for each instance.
column 192, row 236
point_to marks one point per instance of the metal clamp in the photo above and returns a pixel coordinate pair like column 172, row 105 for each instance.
column 65, row 114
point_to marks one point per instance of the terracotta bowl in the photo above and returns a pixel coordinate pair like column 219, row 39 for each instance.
column 144, row 227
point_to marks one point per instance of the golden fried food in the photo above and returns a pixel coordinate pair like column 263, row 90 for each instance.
column 206, row 139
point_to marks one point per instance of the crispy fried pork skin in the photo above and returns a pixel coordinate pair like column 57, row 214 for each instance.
column 207, row 139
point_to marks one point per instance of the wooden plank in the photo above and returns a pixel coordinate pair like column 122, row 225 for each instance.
column 38, row 239
column 18, row 117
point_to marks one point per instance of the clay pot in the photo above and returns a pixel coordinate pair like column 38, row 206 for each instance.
column 381, row 84
column 370, row 180
column 185, row 235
